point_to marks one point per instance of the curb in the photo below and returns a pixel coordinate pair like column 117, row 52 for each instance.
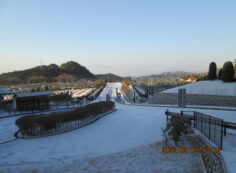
column 9, row 141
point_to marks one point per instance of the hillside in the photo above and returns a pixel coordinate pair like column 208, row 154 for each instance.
column 109, row 77
column 69, row 71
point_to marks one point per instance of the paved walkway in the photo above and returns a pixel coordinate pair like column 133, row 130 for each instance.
column 142, row 159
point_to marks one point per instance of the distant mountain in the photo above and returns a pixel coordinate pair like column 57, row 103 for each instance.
column 109, row 77
column 177, row 74
column 69, row 71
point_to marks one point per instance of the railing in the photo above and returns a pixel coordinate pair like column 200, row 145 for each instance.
column 229, row 125
column 210, row 126
column 54, row 107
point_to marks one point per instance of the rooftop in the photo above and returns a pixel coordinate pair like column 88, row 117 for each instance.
column 35, row 94
column 5, row 92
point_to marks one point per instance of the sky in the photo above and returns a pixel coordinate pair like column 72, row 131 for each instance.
column 125, row 37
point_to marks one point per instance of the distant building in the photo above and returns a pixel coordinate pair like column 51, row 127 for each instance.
column 33, row 101
column 190, row 78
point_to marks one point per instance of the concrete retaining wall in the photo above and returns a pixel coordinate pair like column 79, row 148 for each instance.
column 194, row 99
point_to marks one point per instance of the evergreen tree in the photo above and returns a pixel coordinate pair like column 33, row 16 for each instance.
column 228, row 72
column 212, row 71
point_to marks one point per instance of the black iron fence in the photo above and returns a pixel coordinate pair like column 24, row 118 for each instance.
column 53, row 107
column 52, row 103
column 210, row 126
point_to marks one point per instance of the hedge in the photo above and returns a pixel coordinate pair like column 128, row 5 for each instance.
column 36, row 125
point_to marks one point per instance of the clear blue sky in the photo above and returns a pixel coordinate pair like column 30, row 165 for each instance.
column 126, row 37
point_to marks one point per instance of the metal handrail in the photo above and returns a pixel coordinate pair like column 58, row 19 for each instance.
column 226, row 124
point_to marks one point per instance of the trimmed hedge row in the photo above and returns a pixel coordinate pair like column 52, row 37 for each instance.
column 36, row 125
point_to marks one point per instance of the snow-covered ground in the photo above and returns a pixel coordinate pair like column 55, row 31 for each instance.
column 126, row 128
column 120, row 141
column 142, row 159
column 7, row 129
column 216, row 87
